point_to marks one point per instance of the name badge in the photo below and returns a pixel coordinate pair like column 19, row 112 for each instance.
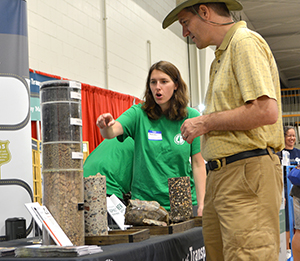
column 154, row 135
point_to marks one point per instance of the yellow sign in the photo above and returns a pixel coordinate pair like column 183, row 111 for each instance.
column 5, row 155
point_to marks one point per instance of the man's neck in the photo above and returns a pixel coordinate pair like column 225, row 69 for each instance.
column 220, row 35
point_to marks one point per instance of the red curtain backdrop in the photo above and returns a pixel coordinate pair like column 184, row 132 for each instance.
column 34, row 123
column 95, row 101
column 47, row 74
column 33, row 130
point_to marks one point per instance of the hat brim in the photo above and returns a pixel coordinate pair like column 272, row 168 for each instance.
column 232, row 5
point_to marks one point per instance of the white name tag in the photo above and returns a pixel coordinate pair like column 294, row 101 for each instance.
column 75, row 121
column 77, row 155
column 75, row 95
column 154, row 135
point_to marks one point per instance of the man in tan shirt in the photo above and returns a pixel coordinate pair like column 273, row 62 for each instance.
column 241, row 128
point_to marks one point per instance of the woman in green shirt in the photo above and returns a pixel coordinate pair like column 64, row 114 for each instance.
column 160, row 150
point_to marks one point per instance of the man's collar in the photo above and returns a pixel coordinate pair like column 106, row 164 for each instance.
column 230, row 34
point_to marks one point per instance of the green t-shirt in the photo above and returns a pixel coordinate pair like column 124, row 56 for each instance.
column 114, row 160
column 160, row 153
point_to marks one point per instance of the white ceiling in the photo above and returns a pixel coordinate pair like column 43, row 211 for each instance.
column 278, row 21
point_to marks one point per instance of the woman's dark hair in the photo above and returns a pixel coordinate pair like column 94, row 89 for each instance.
column 179, row 100
column 286, row 128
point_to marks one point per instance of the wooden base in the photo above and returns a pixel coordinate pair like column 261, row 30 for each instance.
column 119, row 236
column 197, row 221
column 172, row 229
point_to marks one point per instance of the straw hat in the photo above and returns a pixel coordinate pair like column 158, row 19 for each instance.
column 232, row 5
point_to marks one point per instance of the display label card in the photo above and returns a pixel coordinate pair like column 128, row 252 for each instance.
column 77, row 155
column 75, row 95
column 76, row 121
column 116, row 209
column 74, row 84
column 84, row 147
column 30, row 207
column 118, row 203
column 43, row 216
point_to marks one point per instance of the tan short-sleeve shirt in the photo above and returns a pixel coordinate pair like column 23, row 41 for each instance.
column 244, row 69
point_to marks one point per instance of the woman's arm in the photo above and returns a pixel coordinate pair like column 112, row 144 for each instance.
column 199, row 173
column 109, row 128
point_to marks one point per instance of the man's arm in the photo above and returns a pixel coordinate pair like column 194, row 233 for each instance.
column 253, row 114
column 199, row 174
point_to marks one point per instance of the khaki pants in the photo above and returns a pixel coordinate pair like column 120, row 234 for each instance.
column 241, row 210
column 296, row 203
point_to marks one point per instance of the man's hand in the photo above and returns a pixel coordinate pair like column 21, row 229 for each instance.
column 251, row 115
column 192, row 128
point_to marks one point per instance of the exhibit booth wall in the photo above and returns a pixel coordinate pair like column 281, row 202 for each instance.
column 15, row 136
column 108, row 46
column 111, row 44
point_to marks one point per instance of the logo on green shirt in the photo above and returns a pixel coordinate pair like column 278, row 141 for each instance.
column 178, row 139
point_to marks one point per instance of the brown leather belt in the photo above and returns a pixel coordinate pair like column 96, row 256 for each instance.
column 217, row 164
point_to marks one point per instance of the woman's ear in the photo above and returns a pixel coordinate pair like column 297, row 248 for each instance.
column 176, row 86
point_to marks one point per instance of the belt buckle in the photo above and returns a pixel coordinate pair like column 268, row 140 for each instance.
column 218, row 163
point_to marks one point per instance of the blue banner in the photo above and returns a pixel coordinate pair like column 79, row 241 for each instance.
column 35, row 83
column 14, row 19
